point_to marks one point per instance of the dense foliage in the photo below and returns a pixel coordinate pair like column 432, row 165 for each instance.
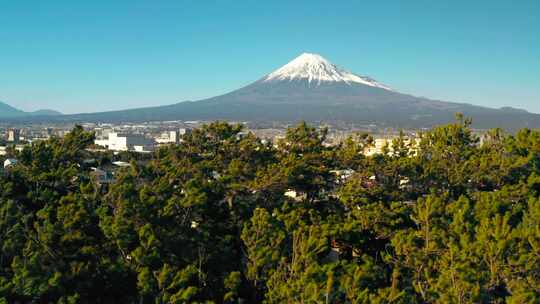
column 215, row 220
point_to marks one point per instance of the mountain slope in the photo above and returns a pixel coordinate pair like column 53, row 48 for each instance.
column 313, row 89
column 7, row 111
column 44, row 112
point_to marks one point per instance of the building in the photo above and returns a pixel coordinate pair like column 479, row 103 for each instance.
column 174, row 136
column 342, row 175
column 184, row 131
column 126, row 142
column 170, row 137
column 121, row 164
column 297, row 196
column 102, row 177
column 10, row 162
column 102, row 132
column 13, row 135
column 380, row 144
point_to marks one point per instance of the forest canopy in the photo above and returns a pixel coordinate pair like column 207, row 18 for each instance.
column 226, row 217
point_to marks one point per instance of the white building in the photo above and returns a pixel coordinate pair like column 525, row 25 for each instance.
column 10, row 162
column 126, row 142
column 13, row 135
column 121, row 164
column 102, row 132
column 171, row 137
column 381, row 143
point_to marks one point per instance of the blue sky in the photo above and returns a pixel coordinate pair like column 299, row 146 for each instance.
column 86, row 56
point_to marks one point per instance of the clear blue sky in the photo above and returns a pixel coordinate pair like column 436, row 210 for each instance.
column 85, row 56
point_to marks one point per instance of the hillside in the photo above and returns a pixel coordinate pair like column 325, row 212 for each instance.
column 7, row 111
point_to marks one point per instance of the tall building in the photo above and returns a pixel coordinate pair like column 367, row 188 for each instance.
column 174, row 136
column 13, row 135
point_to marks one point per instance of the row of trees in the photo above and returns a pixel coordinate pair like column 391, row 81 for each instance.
column 448, row 221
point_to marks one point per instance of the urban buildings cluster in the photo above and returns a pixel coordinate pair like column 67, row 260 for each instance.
column 146, row 137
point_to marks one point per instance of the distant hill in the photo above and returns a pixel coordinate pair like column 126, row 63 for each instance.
column 313, row 89
column 7, row 111
column 44, row 112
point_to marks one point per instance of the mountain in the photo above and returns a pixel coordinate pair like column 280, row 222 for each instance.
column 315, row 70
column 45, row 112
column 313, row 89
column 7, row 111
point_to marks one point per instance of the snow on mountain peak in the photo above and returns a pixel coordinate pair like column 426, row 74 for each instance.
column 316, row 69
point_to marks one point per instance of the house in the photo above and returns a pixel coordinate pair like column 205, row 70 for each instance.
column 380, row 144
column 295, row 195
column 172, row 137
column 342, row 175
column 121, row 164
column 101, row 176
column 10, row 162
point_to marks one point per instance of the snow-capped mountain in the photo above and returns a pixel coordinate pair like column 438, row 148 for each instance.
column 316, row 70
column 313, row 89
